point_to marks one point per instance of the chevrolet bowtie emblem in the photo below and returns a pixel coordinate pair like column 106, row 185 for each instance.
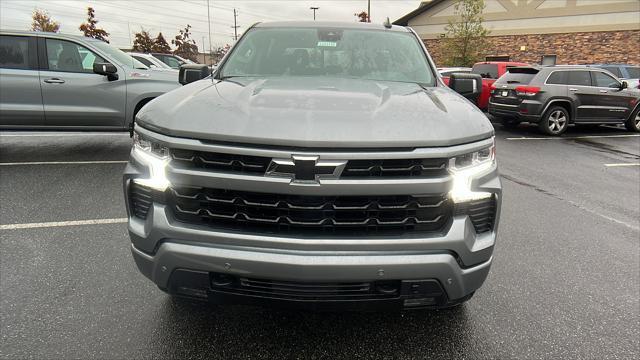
column 306, row 169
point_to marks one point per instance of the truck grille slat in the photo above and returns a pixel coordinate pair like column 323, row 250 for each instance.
column 220, row 161
column 258, row 165
column 291, row 214
column 140, row 200
column 481, row 212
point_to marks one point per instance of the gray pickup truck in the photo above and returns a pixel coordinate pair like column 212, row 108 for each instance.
column 322, row 165
column 57, row 81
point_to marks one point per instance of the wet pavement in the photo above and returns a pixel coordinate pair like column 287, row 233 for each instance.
column 564, row 284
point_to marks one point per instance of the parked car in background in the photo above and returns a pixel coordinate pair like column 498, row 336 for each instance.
column 555, row 97
column 446, row 71
column 51, row 80
column 327, row 182
column 621, row 71
column 490, row 71
column 151, row 61
column 173, row 61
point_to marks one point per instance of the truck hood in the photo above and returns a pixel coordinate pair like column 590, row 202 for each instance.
column 317, row 112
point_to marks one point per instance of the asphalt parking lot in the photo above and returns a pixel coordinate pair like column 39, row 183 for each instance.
column 565, row 282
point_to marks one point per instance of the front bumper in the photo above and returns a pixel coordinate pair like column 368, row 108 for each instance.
column 193, row 252
column 181, row 258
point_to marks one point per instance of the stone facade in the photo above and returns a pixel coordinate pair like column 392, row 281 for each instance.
column 570, row 48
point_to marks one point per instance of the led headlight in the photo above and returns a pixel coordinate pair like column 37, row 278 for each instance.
column 156, row 158
column 464, row 168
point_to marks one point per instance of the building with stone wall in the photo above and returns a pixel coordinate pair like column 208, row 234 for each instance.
column 537, row 31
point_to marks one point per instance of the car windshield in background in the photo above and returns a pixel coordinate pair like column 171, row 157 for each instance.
column 344, row 53
column 487, row 71
column 118, row 55
column 634, row 72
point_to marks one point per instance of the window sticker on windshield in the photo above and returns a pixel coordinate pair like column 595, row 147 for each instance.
column 327, row 44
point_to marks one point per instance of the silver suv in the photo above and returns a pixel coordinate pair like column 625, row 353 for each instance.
column 323, row 165
column 59, row 81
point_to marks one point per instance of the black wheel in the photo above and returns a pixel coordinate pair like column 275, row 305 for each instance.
column 554, row 121
column 510, row 123
column 633, row 122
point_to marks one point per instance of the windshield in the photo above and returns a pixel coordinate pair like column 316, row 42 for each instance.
column 522, row 78
column 634, row 72
column 346, row 53
column 487, row 71
column 183, row 60
column 118, row 55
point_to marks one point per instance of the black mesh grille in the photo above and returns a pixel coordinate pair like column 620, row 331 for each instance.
column 293, row 214
column 220, row 161
column 309, row 291
column 140, row 199
column 395, row 168
column 481, row 212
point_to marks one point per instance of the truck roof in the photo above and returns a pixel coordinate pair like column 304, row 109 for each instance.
column 47, row 34
column 330, row 24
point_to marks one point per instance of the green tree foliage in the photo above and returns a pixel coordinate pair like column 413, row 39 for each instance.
column 465, row 37
column 91, row 30
column 143, row 42
column 43, row 22
column 185, row 46
column 160, row 45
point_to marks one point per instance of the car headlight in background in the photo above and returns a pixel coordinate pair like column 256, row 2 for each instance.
column 464, row 168
column 155, row 157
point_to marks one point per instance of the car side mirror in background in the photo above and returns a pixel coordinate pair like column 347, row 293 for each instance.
column 466, row 84
column 107, row 69
column 192, row 72
column 624, row 85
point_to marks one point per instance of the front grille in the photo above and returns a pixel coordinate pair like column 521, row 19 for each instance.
column 319, row 291
column 140, row 200
column 295, row 214
column 395, row 168
column 481, row 212
column 220, row 161
column 257, row 165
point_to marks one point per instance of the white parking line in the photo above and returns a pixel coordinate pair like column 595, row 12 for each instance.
column 62, row 223
column 622, row 164
column 63, row 162
column 574, row 137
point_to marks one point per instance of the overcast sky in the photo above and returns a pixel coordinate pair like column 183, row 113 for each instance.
column 167, row 16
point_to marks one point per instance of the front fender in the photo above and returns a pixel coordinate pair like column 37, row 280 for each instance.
column 141, row 89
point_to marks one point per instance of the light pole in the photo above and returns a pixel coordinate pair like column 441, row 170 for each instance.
column 314, row 8
column 368, row 10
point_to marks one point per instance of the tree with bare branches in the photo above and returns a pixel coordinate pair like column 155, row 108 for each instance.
column 185, row 46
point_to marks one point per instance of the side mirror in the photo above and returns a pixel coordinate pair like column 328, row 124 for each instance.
column 107, row 69
column 466, row 84
column 624, row 85
column 192, row 72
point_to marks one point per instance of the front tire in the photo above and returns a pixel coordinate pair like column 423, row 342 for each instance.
column 633, row 123
column 555, row 121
